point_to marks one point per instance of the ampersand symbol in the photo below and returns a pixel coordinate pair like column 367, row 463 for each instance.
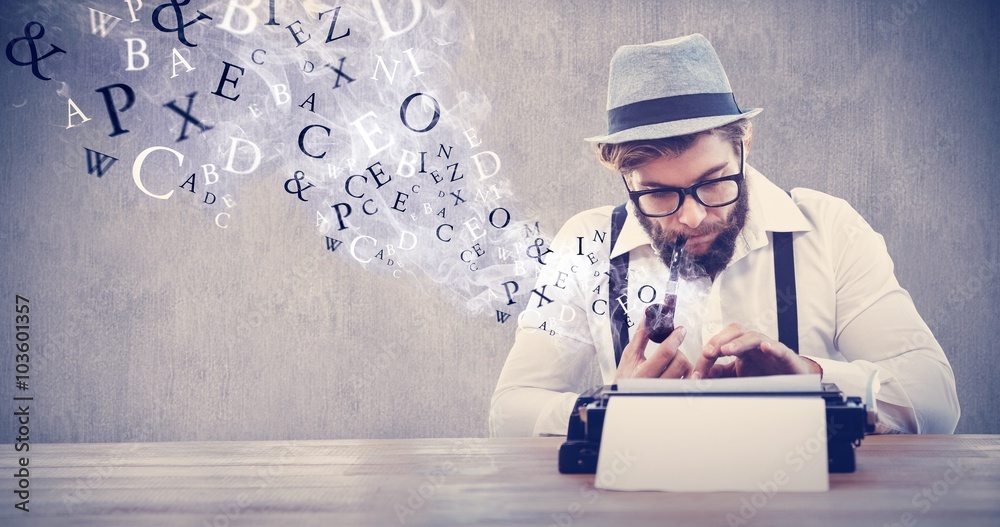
column 179, row 16
column 297, row 181
column 538, row 250
column 31, row 38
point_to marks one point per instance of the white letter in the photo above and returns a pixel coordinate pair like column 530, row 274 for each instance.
column 407, row 163
column 137, row 169
column 381, row 62
column 355, row 242
column 232, row 156
column 178, row 59
column 482, row 170
column 389, row 33
column 132, row 10
column 472, row 228
column 247, row 9
column 73, row 109
column 133, row 52
column 210, row 171
column 367, row 134
column 279, row 90
column 402, row 238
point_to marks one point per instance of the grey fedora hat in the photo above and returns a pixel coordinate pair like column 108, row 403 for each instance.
column 668, row 88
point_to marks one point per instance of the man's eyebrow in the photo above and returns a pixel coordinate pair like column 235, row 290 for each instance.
column 700, row 178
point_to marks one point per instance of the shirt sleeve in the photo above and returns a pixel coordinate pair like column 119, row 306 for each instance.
column 552, row 351
column 879, row 330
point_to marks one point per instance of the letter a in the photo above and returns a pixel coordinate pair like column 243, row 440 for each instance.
column 73, row 109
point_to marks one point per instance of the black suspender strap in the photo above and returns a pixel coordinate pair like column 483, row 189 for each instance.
column 618, row 286
column 784, row 289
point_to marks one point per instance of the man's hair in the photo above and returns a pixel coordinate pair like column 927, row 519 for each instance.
column 626, row 157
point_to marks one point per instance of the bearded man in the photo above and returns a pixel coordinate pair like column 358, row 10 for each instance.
column 768, row 282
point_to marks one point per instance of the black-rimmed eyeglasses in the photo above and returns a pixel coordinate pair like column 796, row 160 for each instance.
column 664, row 201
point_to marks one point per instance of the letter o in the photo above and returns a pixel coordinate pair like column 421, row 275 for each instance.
column 651, row 297
column 505, row 223
column 406, row 104
column 429, row 492
column 944, row 488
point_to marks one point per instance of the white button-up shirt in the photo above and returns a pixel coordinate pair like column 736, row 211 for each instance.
column 853, row 316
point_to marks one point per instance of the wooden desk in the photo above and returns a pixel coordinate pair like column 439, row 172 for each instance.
column 901, row 480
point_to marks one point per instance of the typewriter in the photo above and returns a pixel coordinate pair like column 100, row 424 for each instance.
column 848, row 419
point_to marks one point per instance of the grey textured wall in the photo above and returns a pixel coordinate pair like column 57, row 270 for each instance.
column 150, row 323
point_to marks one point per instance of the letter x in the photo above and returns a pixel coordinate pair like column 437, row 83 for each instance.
column 188, row 118
column 340, row 73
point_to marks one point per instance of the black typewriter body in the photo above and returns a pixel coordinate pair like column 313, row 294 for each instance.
column 846, row 423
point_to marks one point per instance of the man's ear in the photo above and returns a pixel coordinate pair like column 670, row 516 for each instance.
column 748, row 139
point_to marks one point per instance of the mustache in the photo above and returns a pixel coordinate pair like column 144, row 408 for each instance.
column 713, row 228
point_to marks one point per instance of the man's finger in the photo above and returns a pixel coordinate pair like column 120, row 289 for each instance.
column 723, row 370
column 748, row 341
column 679, row 367
column 775, row 349
column 658, row 361
column 703, row 366
column 635, row 347
column 728, row 333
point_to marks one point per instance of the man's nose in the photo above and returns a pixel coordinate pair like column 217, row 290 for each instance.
column 692, row 213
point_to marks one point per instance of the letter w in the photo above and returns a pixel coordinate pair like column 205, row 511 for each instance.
column 101, row 23
column 331, row 244
column 98, row 162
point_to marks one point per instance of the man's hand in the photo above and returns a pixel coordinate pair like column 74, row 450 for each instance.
column 756, row 354
column 666, row 362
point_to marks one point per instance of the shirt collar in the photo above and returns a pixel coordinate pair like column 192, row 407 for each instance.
column 771, row 210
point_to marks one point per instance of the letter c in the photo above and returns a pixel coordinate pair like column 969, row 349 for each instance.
column 137, row 169
column 355, row 243
column 364, row 207
column 302, row 138
column 593, row 307
column 226, row 214
column 438, row 231
column 347, row 186
column 253, row 56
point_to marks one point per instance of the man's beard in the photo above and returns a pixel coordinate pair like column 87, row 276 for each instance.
column 719, row 252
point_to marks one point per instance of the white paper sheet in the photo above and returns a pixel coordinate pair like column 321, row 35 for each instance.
column 707, row 443
column 765, row 384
